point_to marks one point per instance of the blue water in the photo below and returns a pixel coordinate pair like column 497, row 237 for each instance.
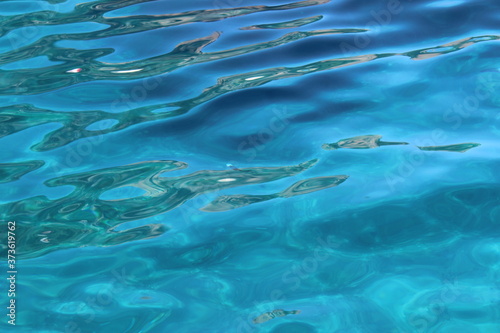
column 250, row 166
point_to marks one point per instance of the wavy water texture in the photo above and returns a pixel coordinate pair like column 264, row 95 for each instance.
column 228, row 202
column 82, row 218
column 361, row 142
column 185, row 54
column 285, row 25
column 94, row 11
column 10, row 172
column 17, row 117
column 458, row 147
column 153, row 163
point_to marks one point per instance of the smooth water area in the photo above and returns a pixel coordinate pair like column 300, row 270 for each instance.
column 272, row 166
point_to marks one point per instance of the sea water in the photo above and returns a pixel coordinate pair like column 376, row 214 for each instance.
column 250, row 166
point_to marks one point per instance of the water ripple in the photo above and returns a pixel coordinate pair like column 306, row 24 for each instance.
column 75, row 123
column 82, row 219
column 242, row 92
column 10, row 172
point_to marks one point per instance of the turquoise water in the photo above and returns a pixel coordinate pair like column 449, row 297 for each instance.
column 250, row 166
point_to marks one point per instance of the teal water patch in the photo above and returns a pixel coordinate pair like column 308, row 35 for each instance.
column 37, row 62
column 10, row 172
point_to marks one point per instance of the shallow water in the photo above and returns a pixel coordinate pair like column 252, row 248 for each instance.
column 198, row 166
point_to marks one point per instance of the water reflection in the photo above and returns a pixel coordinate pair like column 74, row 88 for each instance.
column 273, row 314
column 361, row 142
column 18, row 117
column 10, row 172
column 81, row 218
column 83, row 206
column 459, row 147
column 285, row 25
column 228, row 202
column 95, row 11
column 81, row 65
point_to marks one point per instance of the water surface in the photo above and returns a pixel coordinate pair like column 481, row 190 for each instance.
column 251, row 166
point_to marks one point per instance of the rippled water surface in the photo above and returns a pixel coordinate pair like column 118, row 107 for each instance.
column 209, row 166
